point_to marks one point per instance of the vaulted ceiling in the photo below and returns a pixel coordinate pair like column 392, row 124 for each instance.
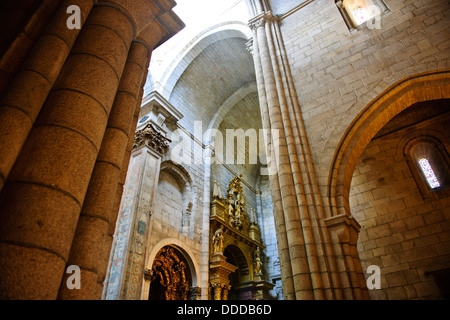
column 212, row 77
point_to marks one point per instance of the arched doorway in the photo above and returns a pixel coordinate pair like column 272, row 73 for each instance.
column 343, row 227
column 170, row 276
column 400, row 96
column 399, row 195
column 238, row 278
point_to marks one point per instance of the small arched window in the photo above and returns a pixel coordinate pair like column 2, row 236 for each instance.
column 429, row 164
column 358, row 12
column 428, row 173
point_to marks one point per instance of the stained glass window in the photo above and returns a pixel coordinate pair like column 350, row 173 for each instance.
column 429, row 173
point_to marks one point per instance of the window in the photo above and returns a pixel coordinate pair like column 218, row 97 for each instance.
column 357, row 12
column 144, row 119
column 429, row 163
column 429, row 173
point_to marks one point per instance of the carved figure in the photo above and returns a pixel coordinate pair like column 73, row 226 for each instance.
column 218, row 240
column 258, row 262
column 230, row 207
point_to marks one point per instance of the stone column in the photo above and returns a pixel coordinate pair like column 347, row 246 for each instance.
column 344, row 232
column 26, row 35
column 307, row 263
column 27, row 92
column 89, row 242
column 128, row 257
column 37, row 233
column 287, row 168
column 46, row 188
column 286, row 270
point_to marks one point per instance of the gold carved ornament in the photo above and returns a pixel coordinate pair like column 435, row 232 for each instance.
column 172, row 274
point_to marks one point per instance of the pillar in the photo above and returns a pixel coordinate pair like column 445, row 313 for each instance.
column 90, row 240
column 72, row 154
column 55, row 182
column 207, row 154
column 287, row 170
column 128, row 257
column 286, row 270
column 344, row 232
column 307, row 263
column 27, row 92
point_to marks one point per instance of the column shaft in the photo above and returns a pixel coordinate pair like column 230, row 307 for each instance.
column 42, row 199
column 283, row 251
column 204, row 281
column 30, row 87
column 290, row 205
column 89, row 243
column 308, row 169
column 296, row 158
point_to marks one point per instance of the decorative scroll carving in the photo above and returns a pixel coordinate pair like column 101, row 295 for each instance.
column 152, row 138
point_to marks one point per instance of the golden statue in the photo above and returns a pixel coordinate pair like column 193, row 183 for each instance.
column 218, row 240
column 258, row 262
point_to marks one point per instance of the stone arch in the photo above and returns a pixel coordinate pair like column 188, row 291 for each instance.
column 413, row 89
column 180, row 174
column 223, row 110
column 233, row 29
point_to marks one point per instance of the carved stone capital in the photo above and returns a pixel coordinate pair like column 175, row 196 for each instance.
column 345, row 227
column 148, row 275
column 152, row 138
column 261, row 19
column 196, row 293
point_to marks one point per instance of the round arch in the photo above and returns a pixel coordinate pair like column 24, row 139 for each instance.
column 242, row 259
column 413, row 89
column 224, row 109
column 238, row 257
column 221, row 31
column 184, row 180
column 193, row 264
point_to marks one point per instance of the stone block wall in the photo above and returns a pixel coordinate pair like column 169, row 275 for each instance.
column 337, row 72
column 406, row 235
column 169, row 207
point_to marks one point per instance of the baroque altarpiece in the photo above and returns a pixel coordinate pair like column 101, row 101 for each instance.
column 236, row 261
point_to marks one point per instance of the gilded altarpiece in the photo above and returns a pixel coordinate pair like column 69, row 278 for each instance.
column 231, row 226
column 169, row 276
